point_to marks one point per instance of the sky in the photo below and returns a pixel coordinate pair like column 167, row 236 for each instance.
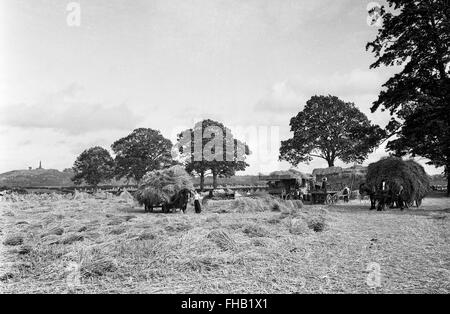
column 166, row 64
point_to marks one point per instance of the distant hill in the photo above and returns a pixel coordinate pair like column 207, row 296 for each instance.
column 36, row 177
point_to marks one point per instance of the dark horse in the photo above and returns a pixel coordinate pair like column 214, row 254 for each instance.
column 179, row 200
column 365, row 189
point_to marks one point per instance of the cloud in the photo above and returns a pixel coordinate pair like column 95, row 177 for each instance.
column 66, row 111
column 291, row 95
column 282, row 98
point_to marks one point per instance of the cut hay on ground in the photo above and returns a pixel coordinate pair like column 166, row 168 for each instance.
column 222, row 252
column 260, row 203
column 161, row 185
column 396, row 172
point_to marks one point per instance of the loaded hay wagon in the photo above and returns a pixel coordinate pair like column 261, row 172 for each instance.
column 291, row 184
column 168, row 189
column 397, row 182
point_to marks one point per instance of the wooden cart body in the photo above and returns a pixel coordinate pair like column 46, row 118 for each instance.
column 324, row 197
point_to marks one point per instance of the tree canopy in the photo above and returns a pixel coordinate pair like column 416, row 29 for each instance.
column 210, row 146
column 331, row 129
column 93, row 166
column 415, row 35
column 141, row 151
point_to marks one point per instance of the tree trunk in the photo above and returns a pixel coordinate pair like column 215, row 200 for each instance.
column 214, row 180
column 202, row 180
column 330, row 163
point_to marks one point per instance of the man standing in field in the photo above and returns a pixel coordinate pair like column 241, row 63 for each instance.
column 197, row 205
column 324, row 184
column 384, row 190
column 346, row 193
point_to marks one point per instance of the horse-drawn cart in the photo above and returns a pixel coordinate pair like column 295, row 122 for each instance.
column 324, row 197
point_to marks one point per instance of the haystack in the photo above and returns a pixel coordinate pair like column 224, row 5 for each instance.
column 396, row 172
column 125, row 196
column 80, row 195
column 161, row 185
column 291, row 172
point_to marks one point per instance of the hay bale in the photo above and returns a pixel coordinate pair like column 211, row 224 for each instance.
column 222, row 239
column 117, row 231
column 178, row 226
column 254, row 230
column 13, row 240
column 81, row 229
column 160, row 186
column 51, row 239
column 25, row 249
column 264, row 203
column 72, row 238
column 317, row 223
column 80, row 195
column 298, row 226
column 54, row 231
column 213, row 219
column 126, row 197
column 97, row 267
column 395, row 172
column 146, row 235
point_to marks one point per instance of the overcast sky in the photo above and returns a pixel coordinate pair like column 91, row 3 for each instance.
column 250, row 64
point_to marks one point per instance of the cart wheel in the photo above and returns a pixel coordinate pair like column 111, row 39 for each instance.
column 329, row 199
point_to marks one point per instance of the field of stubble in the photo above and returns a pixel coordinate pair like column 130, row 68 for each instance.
column 109, row 246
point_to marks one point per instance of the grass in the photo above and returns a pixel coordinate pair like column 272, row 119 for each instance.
column 240, row 246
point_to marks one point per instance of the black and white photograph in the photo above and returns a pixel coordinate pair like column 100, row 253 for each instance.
column 218, row 150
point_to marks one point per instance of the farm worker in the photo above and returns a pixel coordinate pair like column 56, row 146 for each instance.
column 400, row 201
column 346, row 194
column 324, row 184
column 197, row 205
column 384, row 195
column 283, row 193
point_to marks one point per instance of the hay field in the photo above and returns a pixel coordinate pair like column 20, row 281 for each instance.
column 246, row 246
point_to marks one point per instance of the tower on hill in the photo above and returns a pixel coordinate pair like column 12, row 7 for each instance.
column 40, row 165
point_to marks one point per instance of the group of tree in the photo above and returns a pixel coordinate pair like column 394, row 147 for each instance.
column 210, row 148
column 415, row 35
column 146, row 150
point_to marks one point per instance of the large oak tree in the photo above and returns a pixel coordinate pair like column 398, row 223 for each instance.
column 210, row 147
column 93, row 166
column 331, row 129
column 415, row 35
column 141, row 151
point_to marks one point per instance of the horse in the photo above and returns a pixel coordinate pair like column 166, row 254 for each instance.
column 365, row 189
column 179, row 200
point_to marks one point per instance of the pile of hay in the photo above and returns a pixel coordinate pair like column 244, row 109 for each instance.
column 396, row 172
column 291, row 172
column 257, row 203
column 161, row 185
